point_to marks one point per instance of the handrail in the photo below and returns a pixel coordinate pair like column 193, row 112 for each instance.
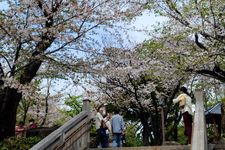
column 199, row 135
column 65, row 137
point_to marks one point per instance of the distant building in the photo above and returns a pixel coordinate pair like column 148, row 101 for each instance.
column 213, row 116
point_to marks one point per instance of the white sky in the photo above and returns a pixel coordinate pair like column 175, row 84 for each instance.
column 3, row 5
column 145, row 23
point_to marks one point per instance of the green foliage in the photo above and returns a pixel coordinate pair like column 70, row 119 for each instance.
column 182, row 139
column 93, row 135
column 60, row 121
column 211, row 133
column 74, row 104
column 149, row 47
column 1, row 15
column 21, row 143
column 133, row 138
column 111, row 107
column 223, row 100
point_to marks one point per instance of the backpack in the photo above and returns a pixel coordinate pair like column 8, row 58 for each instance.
column 182, row 101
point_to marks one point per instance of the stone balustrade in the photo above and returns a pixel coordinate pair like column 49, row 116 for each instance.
column 73, row 135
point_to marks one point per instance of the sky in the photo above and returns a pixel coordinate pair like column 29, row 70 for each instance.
column 141, row 23
column 144, row 22
column 3, row 5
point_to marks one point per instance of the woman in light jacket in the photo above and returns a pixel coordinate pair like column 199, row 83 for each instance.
column 185, row 105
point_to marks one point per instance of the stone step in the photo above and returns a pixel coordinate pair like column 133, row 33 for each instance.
column 172, row 147
column 219, row 147
column 165, row 147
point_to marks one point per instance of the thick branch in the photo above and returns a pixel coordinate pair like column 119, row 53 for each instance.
column 46, row 104
column 19, row 47
column 35, row 62
column 7, row 61
column 135, row 93
column 200, row 45
column 216, row 73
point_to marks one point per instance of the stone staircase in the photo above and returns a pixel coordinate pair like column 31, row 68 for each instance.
column 220, row 145
column 75, row 134
column 171, row 147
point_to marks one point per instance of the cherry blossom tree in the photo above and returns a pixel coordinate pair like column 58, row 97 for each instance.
column 36, row 33
column 41, row 105
column 193, row 37
column 195, row 33
column 139, row 86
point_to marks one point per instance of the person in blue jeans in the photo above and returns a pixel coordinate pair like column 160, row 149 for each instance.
column 117, row 128
column 103, row 138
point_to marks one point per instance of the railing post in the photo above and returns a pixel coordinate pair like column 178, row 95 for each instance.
column 199, row 135
column 86, row 105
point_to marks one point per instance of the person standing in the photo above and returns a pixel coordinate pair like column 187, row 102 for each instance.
column 98, row 122
column 32, row 124
column 185, row 106
column 103, row 135
column 20, row 129
column 107, row 120
column 117, row 129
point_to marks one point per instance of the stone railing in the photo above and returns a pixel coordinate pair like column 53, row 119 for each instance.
column 74, row 134
column 199, row 134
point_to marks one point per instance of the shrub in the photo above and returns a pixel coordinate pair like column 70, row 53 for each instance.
column 133, row 136
column 19, row 143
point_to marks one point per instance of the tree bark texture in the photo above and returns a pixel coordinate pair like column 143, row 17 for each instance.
column 145, row 132
column 217, row 73
column 9, row 101
column 157, row 130
column 223, row 117
column 10, row 98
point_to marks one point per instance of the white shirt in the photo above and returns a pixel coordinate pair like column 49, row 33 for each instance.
column 187, row 106
column 108, row 124
column 98, row 120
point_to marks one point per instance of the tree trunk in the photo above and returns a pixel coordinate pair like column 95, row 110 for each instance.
column 223, row 117
column 156, row 128
column 172, row 133
column 145, row 133
column 46, row 106
column 155, row 121
column 9, row 101
column 177, row 119
column 26, row 106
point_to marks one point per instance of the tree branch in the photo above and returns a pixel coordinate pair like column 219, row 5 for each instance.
column 216, row 73
column 19, row 47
